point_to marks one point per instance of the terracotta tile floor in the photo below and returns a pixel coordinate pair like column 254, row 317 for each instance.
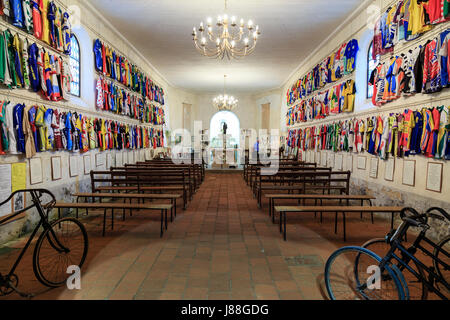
column 222, row 247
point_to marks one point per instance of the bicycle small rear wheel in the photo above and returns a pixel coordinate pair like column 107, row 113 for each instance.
column 50, row 262
column 442, row 254
column 345, row 282
column 417, row 290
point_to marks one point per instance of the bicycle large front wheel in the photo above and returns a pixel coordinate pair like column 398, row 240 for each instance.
column 345, row 282
column 64, row 244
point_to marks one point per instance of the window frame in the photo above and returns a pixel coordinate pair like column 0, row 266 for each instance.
column 73, row 36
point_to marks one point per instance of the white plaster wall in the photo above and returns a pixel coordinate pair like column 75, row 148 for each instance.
column 356, row 26
column 92, row 26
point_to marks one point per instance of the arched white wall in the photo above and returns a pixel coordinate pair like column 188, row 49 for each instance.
column 233, row 123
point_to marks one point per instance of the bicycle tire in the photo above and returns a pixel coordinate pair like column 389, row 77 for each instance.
column 438, row 266
column 64, row 229
column 416, row 292
column 397, row 291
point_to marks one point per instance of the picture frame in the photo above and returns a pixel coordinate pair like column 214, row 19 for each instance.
column 73, row 166
column 99, row 159
column 36, row 174
column 374, row 163
column 349, row 163
column 56, row 168
column 435, row 172
column 389, row 170
column 362, row 162
column 87, row 164
column 409, row 173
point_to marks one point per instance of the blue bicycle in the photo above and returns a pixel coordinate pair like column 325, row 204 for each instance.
column 392, row 273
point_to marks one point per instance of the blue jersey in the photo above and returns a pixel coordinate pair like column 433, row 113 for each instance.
column 17, row 12
column 18, row 126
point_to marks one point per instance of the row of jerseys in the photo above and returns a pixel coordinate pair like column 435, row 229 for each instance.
column 31, row 129
column 24, row 65
column 406, row 21
column 338, row 99
column 424, row 132
column 340, row 63
column 42, row 18
column 111, row 97
column 118, row 68
column 424, row 69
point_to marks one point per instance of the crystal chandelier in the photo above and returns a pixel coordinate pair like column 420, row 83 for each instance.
column 225, row 102
column 231, row 39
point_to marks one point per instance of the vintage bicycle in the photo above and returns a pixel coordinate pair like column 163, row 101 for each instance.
column 61, row 244
column 397, row 274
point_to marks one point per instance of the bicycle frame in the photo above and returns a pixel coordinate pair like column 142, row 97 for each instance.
column 433, row 277
column 35, row 195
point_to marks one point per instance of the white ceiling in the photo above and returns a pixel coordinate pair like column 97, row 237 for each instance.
column 290, row 30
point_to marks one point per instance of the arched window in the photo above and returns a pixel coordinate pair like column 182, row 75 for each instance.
column 75, row 66
column 371, row 65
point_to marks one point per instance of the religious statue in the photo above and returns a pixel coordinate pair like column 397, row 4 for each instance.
column 224, row 128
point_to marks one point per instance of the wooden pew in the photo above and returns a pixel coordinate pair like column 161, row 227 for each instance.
column 163, row 208
column 130, row 196
column 317, row 197
column 283, row 210
column 307, row 180
column 131, row 184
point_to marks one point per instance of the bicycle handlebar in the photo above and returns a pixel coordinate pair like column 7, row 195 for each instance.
column 441, row 211
column 35, row 192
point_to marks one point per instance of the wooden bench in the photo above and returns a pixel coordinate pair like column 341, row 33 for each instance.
column 316, row 198
column 130, row 196
column 105, row 206
column 336, row 209
column 193, row 176
column 306, row 180
column 131, row 185
column 145, row 177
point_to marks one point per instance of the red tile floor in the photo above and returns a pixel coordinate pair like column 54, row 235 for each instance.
column 221, row 247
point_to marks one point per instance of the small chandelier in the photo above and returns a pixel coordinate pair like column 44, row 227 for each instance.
column 225, row 102
column 235, row 42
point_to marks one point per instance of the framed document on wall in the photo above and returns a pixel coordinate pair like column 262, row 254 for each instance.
column 318, row 158
column 323, row 159
column 362, row 160
column 350, row 163
column 36, row 175
column 434, row 176
column 409, row 173
column 338, row 163
column 389, row 169
column 73, row 166
column 87, row 164
column 373, row 168
column 56, row 168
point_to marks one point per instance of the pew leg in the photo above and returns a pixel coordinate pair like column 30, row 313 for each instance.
column 281, row 221
column 162, row 223
column 112, row 219
column 335, row 222
column 104, row 222
column 171, row 212
column 315, row 204
column 362, row 203
column 165, row 214
column 285, row 232
column 343, row 221
column 131, row 211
